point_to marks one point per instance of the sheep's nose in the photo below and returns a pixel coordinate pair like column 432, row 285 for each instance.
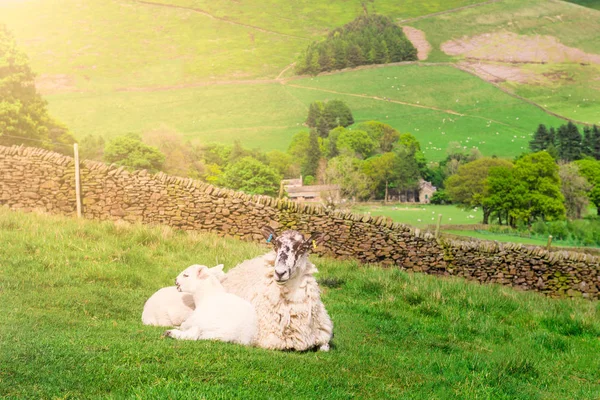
column 279, row 274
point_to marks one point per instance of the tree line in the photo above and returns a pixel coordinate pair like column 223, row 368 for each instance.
column 557, row 180
column 367, row 160
column 567, row 143
column 369, row 39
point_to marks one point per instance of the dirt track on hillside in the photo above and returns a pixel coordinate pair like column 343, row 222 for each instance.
column 418, row 39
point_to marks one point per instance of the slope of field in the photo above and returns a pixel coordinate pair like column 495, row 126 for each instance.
column 545, row 51
column 72, row 294
column 438, row 104
column 102, row 45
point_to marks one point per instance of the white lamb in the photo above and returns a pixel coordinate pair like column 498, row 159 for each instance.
column 170, row 307
column 218, row 315
column 281, row 287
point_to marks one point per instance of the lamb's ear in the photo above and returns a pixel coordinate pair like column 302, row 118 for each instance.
column 315, row 239
column 217, row 268
column 269, row 233
column 203, row 272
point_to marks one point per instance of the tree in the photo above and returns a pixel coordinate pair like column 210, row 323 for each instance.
column 313, row 155
column 347, row 172
column 315, row 110
column 181, row 159
column 338, row 114
column 541, row 139
column 383, row 134
column 357, row 143
column 382, row 170
column 130, row 151
column 469, row 186
column 568, row 142
column 283, row 163
column 574, row 188
column 590, row 169
column 505, row 195
column 591, row 142
column 24, row 118
column 325, row 117
column 539, row 173
column 251, row 176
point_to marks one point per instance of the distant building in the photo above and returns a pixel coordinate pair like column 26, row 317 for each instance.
column 426, row 190
column 297, row 191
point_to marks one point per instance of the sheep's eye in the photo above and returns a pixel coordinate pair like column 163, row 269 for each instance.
column 185, row 275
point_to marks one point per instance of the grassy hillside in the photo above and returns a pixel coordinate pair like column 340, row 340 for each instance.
column 438, row 104
column 72, row 294
column 209, row 69
column 104, row 45
column 562, row 85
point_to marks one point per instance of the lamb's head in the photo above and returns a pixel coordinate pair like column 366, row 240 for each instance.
column 291, row 249
column 190, row 278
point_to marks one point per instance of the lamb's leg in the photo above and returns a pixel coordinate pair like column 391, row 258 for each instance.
column 189, row 334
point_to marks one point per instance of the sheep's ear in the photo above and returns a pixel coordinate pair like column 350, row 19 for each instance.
column 218, row 268
column 314, row 240
column 269, row 233
column 203, row 272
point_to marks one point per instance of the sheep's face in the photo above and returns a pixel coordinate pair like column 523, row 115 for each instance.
column 187, row 280
column 291, row 248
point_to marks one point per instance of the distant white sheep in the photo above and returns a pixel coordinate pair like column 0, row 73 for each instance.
column 218, row 315
column 281, row 287
column 170, row 307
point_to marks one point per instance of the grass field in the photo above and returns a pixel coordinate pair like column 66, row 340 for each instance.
column 424, row 215
column 72, row 294
column 424, row 101
column 567, row 88
column 104, row 45
column 207, row 69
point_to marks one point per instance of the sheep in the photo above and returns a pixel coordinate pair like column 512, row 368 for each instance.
column 218, row 315
column 285, row 294
column 170, row 307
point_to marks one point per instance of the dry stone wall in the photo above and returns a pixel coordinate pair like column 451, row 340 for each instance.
column 38, row 179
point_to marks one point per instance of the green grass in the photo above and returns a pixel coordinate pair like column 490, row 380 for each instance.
column 571, row 83
column 72, row 293
column 268, row 115
column 501, row 237
column 104, row 45
column 424, row 215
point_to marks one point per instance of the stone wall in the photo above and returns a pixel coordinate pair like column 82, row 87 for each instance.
column 38, row 179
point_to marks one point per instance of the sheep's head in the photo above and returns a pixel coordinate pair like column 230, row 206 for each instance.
column 188, row 279
column 291, row 248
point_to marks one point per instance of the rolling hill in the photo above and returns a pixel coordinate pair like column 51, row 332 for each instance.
column 220, row 71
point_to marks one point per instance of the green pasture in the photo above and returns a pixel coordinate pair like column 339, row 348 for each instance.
column 577, row 27
column 572, row 91
column 423, row 215
column 420, row 100
column 106, row 45
column 568, row 89
column 258, row 115
column 72, row 293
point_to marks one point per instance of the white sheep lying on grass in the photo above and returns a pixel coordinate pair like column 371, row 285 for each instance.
column 281, row 287
column 218, row 315
column 170, row 307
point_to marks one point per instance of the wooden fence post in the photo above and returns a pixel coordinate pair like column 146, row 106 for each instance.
column 437, row 227
column 77, row 180
column 549, row 242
